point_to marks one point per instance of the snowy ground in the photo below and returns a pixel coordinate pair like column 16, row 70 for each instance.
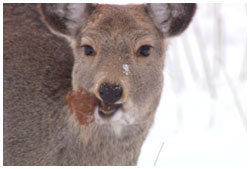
column 200, row 118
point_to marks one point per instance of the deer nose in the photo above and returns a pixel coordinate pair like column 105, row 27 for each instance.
column 110, row 93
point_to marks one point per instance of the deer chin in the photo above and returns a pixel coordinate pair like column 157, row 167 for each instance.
column 116, row 115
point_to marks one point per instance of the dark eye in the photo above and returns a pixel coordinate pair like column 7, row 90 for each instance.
column 88, row 50
column 144, row 51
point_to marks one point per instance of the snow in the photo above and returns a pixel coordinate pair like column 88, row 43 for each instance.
column 195, row 123
column 125, row 68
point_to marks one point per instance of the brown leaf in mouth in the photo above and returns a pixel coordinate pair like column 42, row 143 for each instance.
column 82, row 103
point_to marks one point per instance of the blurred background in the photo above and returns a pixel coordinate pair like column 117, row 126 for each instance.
column 201, row 119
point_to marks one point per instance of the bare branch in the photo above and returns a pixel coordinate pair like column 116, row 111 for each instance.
column 204, row 60
column 158, row 154
column 190, row 60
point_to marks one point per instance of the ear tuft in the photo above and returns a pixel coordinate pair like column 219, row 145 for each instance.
column 171, row 19
column 66, row 19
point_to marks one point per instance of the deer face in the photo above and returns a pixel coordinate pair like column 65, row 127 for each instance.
column 119, row 53
column 119, row 57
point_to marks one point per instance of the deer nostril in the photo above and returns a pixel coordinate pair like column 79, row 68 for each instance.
column 110, row 93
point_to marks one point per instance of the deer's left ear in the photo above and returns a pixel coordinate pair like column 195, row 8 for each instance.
column 171, row 19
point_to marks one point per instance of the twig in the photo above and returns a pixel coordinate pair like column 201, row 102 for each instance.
column 189, row 57
column 177, row 66
column 158, row 154
column 218, row 39
column 170, row 67
column 204, row 61
column 243, row 73
column 236, row 100
column 220, row 60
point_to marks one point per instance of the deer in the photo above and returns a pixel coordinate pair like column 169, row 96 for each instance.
column 116, row 52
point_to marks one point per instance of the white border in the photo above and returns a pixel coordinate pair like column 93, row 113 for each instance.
column 125, row 1
column 112, row 2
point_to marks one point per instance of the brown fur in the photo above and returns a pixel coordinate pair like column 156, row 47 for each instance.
column 37, row 75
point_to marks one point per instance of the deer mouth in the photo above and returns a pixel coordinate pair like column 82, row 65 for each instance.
column 107, row 110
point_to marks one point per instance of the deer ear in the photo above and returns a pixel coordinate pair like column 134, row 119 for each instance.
column 171, row 19
column 66, row 19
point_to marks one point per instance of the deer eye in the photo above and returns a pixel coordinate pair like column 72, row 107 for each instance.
column 144, row 51
column 88, row 50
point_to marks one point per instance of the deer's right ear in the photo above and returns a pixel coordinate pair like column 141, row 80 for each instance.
column 66, row 19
